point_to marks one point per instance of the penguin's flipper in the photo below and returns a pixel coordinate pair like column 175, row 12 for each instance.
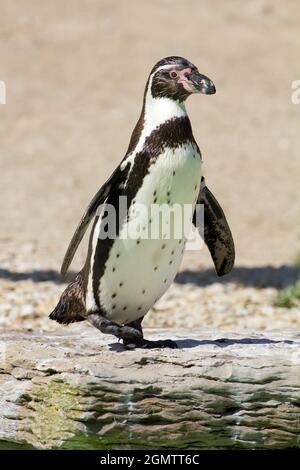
column 217, row 234
column 115, row 181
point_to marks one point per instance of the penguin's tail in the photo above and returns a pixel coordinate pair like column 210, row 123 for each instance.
column 71, row 306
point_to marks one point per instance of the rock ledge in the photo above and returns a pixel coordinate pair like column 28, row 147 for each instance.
column 75, row 388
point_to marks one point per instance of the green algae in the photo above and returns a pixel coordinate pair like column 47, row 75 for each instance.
column 117, row 439
column 55, row 411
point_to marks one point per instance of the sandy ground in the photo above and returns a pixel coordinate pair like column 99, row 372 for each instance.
column 75, row 74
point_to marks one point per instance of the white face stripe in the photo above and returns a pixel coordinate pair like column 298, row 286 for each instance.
column 157, row 111
column 165, row 67
column 171, row 66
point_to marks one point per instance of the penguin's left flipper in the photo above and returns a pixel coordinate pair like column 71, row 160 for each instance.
column 114, row 182
column 217, row 234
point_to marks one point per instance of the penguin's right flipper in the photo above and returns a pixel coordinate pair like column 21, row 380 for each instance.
column 217, row 234
column 114, row 182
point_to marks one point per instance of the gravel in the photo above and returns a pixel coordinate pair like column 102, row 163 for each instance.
column 28, row 297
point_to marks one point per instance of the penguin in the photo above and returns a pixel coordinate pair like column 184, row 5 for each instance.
column 123, row 276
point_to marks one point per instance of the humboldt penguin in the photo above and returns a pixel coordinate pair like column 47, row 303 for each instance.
column 123, row 275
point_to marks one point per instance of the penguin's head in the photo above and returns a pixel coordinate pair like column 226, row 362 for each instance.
column 177, row 78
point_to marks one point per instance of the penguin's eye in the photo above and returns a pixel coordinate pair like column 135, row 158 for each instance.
column 173, row 74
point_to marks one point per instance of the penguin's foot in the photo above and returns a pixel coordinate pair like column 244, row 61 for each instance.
column 131, row 336
column 146, row 344
column 126, row 333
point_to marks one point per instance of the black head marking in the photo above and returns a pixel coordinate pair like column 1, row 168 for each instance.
column 172, row 60
column 176, row 78
column 166, row 76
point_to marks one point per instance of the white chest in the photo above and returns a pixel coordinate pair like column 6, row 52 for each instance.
column 145, row 258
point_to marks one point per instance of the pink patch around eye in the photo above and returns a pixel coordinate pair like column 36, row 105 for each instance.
column 183, row 79
column 182, row 73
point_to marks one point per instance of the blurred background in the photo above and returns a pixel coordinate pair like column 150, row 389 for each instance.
column 75, row 73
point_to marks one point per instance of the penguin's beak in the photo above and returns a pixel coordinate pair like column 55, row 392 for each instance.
column 200, row 83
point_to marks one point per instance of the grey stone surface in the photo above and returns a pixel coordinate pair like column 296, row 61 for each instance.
column 76, row 388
